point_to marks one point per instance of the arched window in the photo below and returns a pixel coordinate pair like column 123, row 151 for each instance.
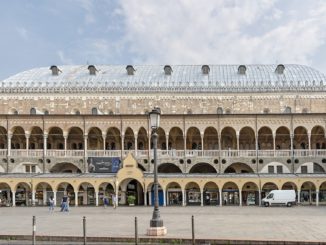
column 287, row 109
column 228, row 111
column 77, row 112
column 219, row 110
column 33, row 111
column 94, row 111
column 46, row 112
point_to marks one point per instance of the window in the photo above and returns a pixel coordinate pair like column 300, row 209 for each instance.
column 130, row 70
column 270, row 196
column 167, row 70
column 270, row 169
column 27, row 169
column 33, row 111
column 266, row 110
column 280, row 69
column 304, row 169
column 33, row 169
column 242, row 70
column 228, row 111
column 92, row 70
column 287, row 109
column 46, row 112
column 279, row 169
column 219, row 110
column 94, row 111
column 205, row 69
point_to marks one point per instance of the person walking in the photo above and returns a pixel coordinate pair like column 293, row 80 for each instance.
column 114, row 201
column 105, row 201
column 51, row 204
column 64, row 204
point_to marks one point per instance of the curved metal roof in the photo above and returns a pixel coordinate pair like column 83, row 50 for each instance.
column 184, row 78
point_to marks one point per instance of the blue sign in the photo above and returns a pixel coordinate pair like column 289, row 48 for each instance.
column 103, row 164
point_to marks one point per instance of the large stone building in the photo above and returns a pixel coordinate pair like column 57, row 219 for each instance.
column 229, row 134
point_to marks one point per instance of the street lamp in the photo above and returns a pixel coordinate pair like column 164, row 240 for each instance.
column 156, row 224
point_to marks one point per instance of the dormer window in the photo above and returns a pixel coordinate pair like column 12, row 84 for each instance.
column 280, row 69
column 167, row 70
column 205, row 69
column 287, row 109
column 94, row 111
column 242, row 69
column 55, row 70
column 130, row 70
column 92, row 70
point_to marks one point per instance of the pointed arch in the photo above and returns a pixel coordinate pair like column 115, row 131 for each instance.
column 247, row 139
column 113, row 139
column 176, row 139
column 228, row 139
column 193, row 139
column 129, row 142
column 282, row 139
column 210, row 139
column 55, row 138
column 265, row 138
column 300, row 139
column 142, row 139
column 95, row 139
column 75, row 140
column 36, row 138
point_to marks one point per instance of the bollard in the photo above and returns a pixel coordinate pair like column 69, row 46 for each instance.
column 136, row 231
column 34, row 231
column 84, row 230
column 193, row 230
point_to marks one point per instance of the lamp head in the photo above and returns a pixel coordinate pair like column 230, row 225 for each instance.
column 154, row 118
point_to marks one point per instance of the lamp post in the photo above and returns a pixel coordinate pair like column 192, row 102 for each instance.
column 156, row 223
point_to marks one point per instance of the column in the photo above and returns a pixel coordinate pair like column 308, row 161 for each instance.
column 185, row 143
column 309, row 141
column 201, row 198
column 45, row 143
column 317, row 197
column 33, row 197
column 220, row 193
column 150, row 198
column 240, row 198
column 55, row 198
column 117, row 195
column 122, row 144
column 27, row 141
column 238, row 141
column 104, row 143
column 164, row 197
column 96, row 198
column 44, row 196
column 274, row 142
column 299, row 196
column 145, row 197
column 291, row 138
column 136, row 144
column 259, row 197
column 13, row 198
column 256, row 145
column 167, row 141
column 85, row 144
column 9, row 144
column 76, row 198
column 202, row 143
column 183, row 197
column 65, row 138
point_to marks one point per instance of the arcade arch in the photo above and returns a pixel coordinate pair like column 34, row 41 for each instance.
column 201, row 168
column 238, row 168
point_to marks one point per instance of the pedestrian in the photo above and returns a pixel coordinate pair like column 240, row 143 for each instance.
column 64, row 204
column 105, row 201
column 114, row 201
column 51, row 204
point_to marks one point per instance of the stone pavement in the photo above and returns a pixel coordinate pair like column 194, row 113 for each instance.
column 274, row 223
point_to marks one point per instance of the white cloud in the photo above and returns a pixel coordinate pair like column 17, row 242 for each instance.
column 197, row 32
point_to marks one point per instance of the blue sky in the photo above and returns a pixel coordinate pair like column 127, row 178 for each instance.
column 39, row 33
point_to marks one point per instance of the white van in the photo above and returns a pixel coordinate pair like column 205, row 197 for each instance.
column 280, row 197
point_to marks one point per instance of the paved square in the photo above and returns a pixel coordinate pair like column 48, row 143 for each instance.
column 279, row 223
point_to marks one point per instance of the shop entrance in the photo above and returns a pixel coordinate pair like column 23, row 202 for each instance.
column 250, row 194
column 230, row 194
column 174, row 194
column 5, row 195
column 211, row 194
column 86, row 195
column 193, row 194
column 133, row 189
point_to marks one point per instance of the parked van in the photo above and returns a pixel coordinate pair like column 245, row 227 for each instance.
column 280, row 197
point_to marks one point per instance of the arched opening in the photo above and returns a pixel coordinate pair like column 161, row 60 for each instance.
column 150, row 195
column 65, row 167
column 106, row 190
column 168, row 168
column 300, row 139
column 75, row 139
column 265, row 139
column 230, row 194
column 200, row 168
column 247, row 139
column 211, row 194
column 95, row 139
column 142, row 139
column 18, row 140
column 322, row 194
column 250, row 194
column 308, row 193
column 65, row 189
column 23, row 195
column 282, row 140
column 210, row 139
column 5, row 195
column 318, row 140
column 310, row 168
column 176, row 139
column 43, row 193
column 86, row 194
column 174, row 194
column 238, row 168
column 193, row 139
column 129, row 142
column 36, row 138
column 193, row 196
column 55, row 139
column 131, row 187
column 113, row 139
column 228, row 139
column 3, row 138
column 161, row 140
column 267, row 188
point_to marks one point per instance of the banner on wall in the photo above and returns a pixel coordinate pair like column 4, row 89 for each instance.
column 103, row 164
